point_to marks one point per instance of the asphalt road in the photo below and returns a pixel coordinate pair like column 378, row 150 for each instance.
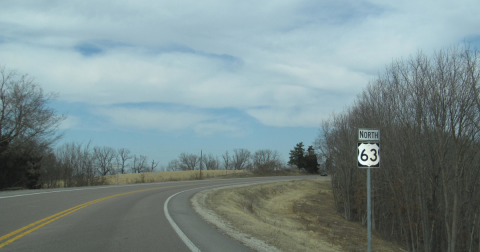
column 139, row 217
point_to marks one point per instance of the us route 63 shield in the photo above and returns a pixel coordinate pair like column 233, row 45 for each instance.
column 368, row 155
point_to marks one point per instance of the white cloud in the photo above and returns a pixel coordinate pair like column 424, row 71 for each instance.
column 153, row 118
column 170, row 120
column 208, row 129
column 275, row 60
column 307, row 116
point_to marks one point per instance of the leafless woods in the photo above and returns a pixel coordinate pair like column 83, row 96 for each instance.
column 27, row 127
column 264, row 160
column 427, row 191
column 75, row 164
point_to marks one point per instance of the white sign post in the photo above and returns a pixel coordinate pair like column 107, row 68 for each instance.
column 368, row 156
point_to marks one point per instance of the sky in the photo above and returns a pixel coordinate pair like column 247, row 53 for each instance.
column 165, row 77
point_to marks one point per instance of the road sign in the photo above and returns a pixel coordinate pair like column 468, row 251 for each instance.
column 368, row 155
column 368, row 135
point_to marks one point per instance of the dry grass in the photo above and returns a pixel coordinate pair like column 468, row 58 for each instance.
column 150, row 177
column 293, row 216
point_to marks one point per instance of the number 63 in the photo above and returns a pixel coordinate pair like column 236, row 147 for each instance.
column 364, row 156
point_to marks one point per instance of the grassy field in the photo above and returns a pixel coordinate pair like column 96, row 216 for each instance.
column 292, row 216
column 150, row 177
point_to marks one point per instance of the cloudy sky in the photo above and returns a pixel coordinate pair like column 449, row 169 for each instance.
column 165, row 77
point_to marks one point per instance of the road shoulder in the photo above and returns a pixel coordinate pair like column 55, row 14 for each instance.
column 283, row 216
column 201, row 202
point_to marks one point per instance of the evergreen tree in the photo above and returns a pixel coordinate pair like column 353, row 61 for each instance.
column 297, row 156
column 311, row 162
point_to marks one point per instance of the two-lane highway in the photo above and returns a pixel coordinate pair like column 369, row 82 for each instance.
column 139, row 217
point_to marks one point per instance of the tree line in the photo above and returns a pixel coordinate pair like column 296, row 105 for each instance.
column 29, row 158
column 264, row 160
column 73, row 164
column 426, row 193
column 28, row 132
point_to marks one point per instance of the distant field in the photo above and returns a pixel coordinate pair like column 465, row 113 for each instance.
column 150, row 177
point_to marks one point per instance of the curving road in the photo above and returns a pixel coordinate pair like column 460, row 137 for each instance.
column 139, row 217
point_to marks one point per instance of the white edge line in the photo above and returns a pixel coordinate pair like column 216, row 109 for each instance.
column 177, row 229
column 180, row 233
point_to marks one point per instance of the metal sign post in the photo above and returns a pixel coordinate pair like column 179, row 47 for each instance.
column 368, row 156
column 201, row 156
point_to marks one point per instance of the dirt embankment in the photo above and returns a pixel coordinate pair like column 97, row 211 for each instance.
column 284, row 216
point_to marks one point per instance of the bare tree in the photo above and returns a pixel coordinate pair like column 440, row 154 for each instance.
column 51, row 176
column 240, row 159
column 188, row 161
column 217, row 163
column 24, row 114
column 174, row 165
column 139, row 164
column 103, row 157
column 266, row 160
column 76, row 164
column 163, row 168
column 427, row 109
column 226, row 161
column 210, row 162
column 27, row 126
column 123, row 155
column 153, row 165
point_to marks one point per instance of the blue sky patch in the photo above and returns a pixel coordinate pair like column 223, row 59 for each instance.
column 88, row 49
column 473, row 41
column 339, row 12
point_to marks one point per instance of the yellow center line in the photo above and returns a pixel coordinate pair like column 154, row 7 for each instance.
column 38, row 224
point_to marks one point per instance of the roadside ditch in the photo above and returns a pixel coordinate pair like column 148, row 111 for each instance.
column 284, row 216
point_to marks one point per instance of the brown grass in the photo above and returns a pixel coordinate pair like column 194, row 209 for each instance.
column 150, row 177
column 293, row 216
